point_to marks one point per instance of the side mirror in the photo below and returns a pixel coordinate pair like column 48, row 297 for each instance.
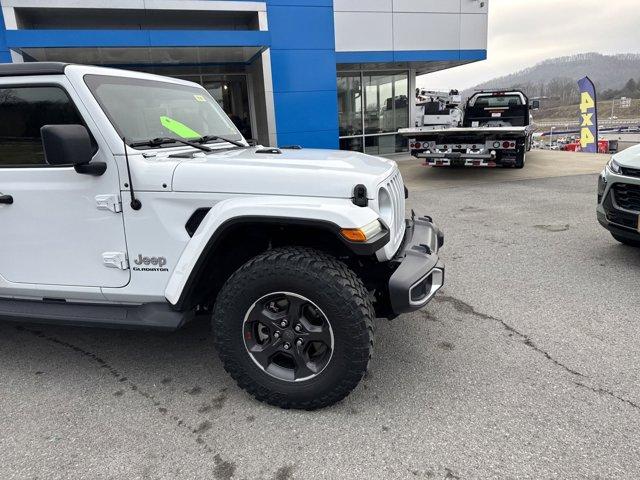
column 535, row 104
column 70, row 145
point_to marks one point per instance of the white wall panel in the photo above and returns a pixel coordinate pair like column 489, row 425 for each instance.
column 474, row 6
column 9, row 14
column 426, row 31
column 143, row 4
column 362, row 5
column 387, row 25
column 363, row 31
column 473, row 32
column 128, row 4
column 204, row 5
column 427, row 6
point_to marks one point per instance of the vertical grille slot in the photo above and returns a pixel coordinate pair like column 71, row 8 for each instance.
column 395, row 188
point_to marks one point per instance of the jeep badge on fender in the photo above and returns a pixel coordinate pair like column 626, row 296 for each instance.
column 159, row 261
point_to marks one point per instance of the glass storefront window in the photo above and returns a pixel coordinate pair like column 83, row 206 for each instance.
column 231, row 94
column 378, row 89
column 372, row 104
column 385, row 144
column 350, row 104
column 387, row 102
column 402, row 99
column 353, row 144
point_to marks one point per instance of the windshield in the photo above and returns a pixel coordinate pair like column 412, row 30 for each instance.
column 498, row 101
column 142, row 110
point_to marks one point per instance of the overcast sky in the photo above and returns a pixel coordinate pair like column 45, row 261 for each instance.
column 525, row 32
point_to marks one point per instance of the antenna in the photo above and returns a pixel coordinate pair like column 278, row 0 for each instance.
column 135, row 203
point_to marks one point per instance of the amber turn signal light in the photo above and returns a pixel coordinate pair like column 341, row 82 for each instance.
column 362, row 234
column 354, row 234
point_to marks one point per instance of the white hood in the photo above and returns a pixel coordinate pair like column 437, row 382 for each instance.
column 629, row 157
column 306, row 172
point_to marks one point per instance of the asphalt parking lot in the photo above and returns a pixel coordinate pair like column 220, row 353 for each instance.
column 525, row 366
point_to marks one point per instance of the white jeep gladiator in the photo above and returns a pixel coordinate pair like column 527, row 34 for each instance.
column 131, row 200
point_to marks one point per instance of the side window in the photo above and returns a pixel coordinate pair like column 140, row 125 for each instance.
column 23, row 110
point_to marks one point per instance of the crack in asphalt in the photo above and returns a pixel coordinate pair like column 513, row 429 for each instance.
column 604, row 391
column 467, row 309
column 223, row 469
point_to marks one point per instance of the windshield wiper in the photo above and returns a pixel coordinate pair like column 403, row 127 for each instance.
column 211, row 138
column 156, row 142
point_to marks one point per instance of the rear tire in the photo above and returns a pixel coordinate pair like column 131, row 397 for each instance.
column 274, row 289
column 521, row 158
column 626, row 241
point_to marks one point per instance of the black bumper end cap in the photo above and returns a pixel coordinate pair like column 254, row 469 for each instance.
column 418, row 261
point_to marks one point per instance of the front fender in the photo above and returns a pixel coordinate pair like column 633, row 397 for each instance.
column 339, row 212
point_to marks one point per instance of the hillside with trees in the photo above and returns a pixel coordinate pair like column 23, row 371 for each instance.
column 555, row 81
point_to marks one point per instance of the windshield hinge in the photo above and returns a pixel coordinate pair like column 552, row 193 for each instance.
column 111, row 202
column 115, row 260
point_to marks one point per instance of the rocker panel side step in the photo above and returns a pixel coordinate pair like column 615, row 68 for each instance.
column 149, row 316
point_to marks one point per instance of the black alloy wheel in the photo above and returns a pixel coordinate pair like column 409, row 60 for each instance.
column 288, row 336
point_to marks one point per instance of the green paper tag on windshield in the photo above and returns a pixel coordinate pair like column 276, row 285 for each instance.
column 178, row 128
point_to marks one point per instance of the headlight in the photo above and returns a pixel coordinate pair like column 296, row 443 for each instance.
column 614, row 166
column 362, row 234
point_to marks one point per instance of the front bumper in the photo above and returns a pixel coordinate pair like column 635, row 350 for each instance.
column 618, row 220
column 420, row 273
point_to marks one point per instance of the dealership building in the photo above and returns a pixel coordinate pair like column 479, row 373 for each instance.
column 316, row 73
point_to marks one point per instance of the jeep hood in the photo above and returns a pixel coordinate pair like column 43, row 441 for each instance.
column 305, row 172
column 629, row 157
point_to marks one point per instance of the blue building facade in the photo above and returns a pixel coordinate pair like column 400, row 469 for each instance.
column 316, row 73
column 303, row 64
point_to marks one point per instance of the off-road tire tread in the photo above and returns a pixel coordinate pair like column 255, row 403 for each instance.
column 349, row 291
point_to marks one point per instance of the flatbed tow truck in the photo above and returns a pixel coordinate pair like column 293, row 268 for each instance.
column 496, row 131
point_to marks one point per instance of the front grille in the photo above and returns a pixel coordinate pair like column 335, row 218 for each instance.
column 620, row 218
column 395, row 186
column 630, row 172
column 627, row 196
column 625, row 219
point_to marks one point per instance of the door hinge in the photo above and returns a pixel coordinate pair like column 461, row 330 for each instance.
column 115, row 260
column 111, row 202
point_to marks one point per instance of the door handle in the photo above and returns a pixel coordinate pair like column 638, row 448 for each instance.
column 6, row 199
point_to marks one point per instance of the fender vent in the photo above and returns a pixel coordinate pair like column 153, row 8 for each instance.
column 195, row 220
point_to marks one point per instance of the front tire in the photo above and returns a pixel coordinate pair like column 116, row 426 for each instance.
column 294, row 328
column 626, row 241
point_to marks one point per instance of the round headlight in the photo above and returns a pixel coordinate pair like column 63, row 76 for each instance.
column 385, row 206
